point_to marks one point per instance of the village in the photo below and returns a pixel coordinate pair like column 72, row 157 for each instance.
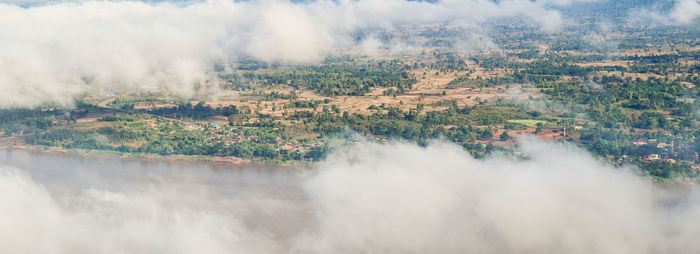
column 632, row 105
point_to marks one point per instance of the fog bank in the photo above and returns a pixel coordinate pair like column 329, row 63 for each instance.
column 55, row 51
column 683, row 12
column 367, row 198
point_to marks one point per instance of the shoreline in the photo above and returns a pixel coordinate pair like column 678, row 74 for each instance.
column 15, row 143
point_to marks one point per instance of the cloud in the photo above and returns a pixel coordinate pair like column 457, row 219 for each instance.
column 96, row 221
column 686, row 11
column 369, row 197
column 682, row 12
column 55, row 51
column 438, row 199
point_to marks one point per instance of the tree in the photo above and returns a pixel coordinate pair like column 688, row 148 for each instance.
column 505, row 136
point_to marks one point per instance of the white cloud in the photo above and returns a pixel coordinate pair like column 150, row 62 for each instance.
column 368, row 198
column 56, row 51
column 686, row 11
column 683, row 12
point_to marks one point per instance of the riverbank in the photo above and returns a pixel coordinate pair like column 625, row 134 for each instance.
column 18, row 144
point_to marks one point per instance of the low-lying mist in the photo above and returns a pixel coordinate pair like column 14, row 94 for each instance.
column 54, row 51
column 366, row 198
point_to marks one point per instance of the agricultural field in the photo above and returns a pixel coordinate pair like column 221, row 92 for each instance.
column 635, row 103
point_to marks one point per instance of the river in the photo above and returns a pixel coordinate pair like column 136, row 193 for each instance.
column 365, row 198
column 260, row 200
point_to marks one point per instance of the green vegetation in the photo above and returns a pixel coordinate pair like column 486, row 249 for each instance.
column 638, row 108
column 334, row 80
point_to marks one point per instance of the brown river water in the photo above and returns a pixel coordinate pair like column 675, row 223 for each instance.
column 365, row 198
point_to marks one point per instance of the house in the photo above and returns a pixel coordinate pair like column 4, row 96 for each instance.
column 151, row 123
column 640, row 142
column 288, row 147
column 661, row 145
column 651, row 157
column 670, row 160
